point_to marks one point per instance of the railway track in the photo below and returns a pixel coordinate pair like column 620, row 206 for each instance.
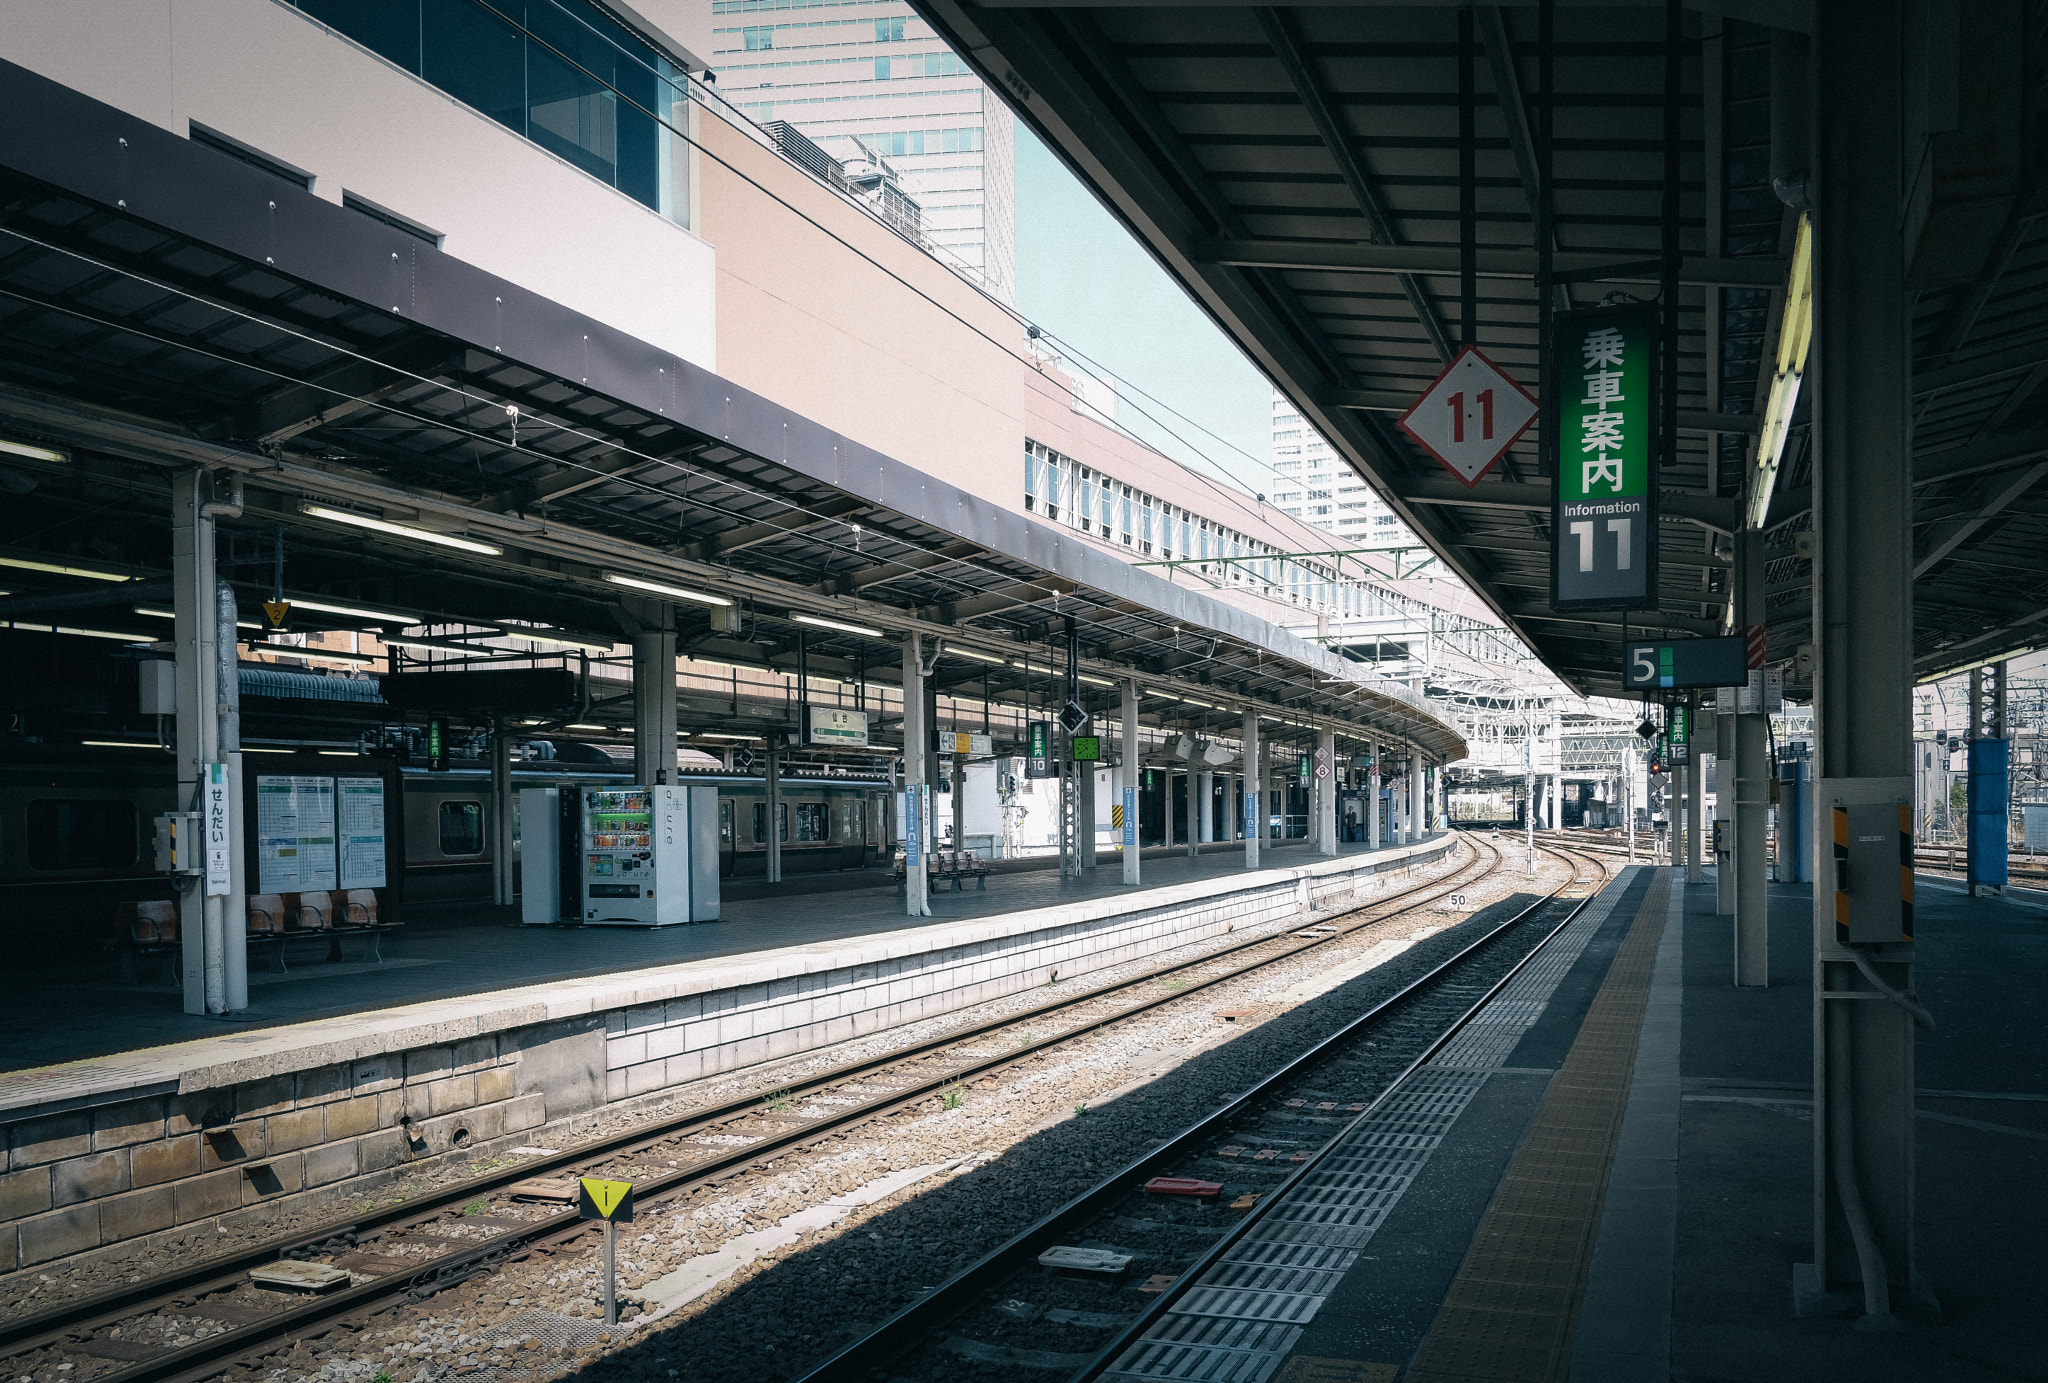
column 209, row 1320
column 1177, row 1209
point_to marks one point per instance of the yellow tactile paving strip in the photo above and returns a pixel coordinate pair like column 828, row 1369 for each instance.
column 1508, row 1317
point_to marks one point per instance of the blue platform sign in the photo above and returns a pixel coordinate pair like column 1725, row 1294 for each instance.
column 1130, row 817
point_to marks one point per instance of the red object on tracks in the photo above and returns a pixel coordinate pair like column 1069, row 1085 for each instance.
column 1184, row 1186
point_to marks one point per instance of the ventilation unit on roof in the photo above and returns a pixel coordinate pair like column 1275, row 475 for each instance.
column 798, row 149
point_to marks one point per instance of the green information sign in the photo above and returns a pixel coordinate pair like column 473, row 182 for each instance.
column 1604, row 514
column 1678, row 734
column 1038, row 750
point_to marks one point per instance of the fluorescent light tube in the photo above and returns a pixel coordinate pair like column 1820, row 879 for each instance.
column 385, row 616
column 60, row 569
column 399, row 530
column 657, row 588
column 835, row 624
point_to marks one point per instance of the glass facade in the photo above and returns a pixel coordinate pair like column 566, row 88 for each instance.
column 558, row 72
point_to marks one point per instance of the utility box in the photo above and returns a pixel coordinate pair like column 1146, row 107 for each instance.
column 540, row 857
column 156, row 682
column 180, row 843
column 1873, row 850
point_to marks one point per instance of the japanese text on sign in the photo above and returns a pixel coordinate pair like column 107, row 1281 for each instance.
column 1605, row 533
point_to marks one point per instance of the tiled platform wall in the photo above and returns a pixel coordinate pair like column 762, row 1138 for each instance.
column 196, row 1147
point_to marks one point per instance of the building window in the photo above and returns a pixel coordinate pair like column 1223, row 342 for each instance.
column 759, row 40
column 462, row 828
column 889, row 30
column 65, row 835
column 572, row 80
column 881, row 69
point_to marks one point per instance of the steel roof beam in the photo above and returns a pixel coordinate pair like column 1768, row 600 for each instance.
column 782, row 525
column 1395, row 401
column 1345, row 257
column 1278, row 27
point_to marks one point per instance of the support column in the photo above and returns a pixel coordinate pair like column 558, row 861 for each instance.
column 1372, row 799
column 1696, row 805
column 1194, row 799
column 234, row 960
column 1084, row 837
column 202, row 917
column 1414, row 799
column 1862, row 633
column 654, row 692
column 1205, row 793
column 1128, row 779
column 959, row 799
column 1254, row 793
column 1752, row 788
column 502, row 892
column 772, row 829
column 1325, row 779
column 1724, row 812
column 917, row 738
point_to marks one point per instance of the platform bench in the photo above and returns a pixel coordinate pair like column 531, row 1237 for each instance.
column 276, row 918
column 943, row 864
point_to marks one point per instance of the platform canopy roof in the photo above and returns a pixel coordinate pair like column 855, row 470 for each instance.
column 164, row 305
column 1298, row 168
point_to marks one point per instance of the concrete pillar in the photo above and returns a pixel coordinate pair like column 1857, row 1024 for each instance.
column 1127, row 782
column 959, row 800
column 1194, row 808
column 1413, row 803
column 654, row 692
column 772, row 830
column 1205, row 793
column 203, row 923
column 1372, row 799
column 1253, row 809
column 502, row 892
column 1724, row 812
column 1862, row 59
column 1695, row 808
column 1084, row 837
column 1325, row 779
column 1752, row 788
column 917, row 738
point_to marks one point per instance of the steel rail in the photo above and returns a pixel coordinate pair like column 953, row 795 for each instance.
column 899, row 1332
column 204, row 1358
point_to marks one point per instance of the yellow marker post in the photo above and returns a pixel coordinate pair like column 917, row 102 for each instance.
column 612, row 1202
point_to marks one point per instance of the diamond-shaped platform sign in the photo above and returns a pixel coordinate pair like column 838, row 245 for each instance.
column 1472, row 414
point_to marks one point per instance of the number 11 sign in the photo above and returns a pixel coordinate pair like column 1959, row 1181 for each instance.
column 1470, row 416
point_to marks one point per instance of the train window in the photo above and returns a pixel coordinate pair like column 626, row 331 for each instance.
column 761, row 821
column 725, row 823
column 811, row 822
column 94, row 834
column 856, row 821
column 462, row 828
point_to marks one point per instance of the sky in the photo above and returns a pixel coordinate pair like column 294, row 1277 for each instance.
column 1086, row 282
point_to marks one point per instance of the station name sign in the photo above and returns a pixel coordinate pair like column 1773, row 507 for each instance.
column 1604, row 510
column 832, row 725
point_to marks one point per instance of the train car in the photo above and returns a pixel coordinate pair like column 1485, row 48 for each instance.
column 77, row 832
column 826, row 823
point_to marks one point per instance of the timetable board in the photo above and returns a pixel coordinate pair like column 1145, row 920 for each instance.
column 294, row 833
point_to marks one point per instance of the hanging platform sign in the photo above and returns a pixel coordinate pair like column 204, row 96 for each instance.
column 1470, row 416
column 1604, row 511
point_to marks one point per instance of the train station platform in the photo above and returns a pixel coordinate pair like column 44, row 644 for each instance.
column 458, row 951
column 471, row 1036
column 1623, row 1190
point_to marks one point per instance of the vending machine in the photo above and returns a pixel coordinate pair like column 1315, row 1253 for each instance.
column 642, row 856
